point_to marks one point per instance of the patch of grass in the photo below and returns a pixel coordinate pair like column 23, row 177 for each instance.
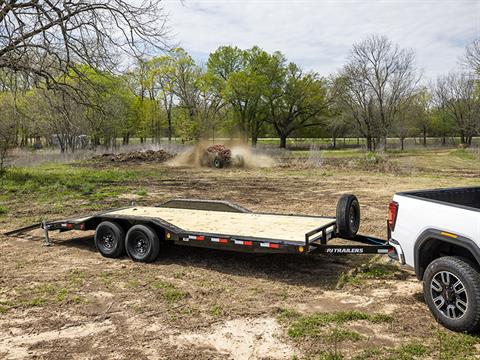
column 411, row 350
column 3, row 210
column 76, row 299
column 340, row 335
column 61, row 295
column 61, row 181
column 373, row 270
column 445, row 346
column 169, row 292
column 133, row 283
column 142, row 192
column 329, row 356
column 76, row 277
column 216, row 310
column 463, row 154
column 451, row 346
column 105, row 277
column 301, row 326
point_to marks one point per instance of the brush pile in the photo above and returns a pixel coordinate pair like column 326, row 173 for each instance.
column 136, row 156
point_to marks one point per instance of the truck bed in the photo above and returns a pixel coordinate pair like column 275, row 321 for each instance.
column 468, row 197
column 290, row 228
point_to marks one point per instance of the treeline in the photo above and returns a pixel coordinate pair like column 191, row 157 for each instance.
column 244, row 92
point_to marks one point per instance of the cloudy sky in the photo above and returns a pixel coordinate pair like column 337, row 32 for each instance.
column 318, row 34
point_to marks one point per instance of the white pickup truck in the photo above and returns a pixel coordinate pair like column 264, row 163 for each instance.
column 438, row 233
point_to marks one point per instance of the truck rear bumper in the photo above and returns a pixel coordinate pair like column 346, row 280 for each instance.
column 398, row 254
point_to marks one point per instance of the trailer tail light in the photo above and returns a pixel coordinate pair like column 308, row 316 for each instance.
column 392, row 214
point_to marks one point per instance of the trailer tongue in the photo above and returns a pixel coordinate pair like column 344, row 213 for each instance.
column 219, row 225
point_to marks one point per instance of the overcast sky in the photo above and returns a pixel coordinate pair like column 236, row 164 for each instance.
column 318, row 34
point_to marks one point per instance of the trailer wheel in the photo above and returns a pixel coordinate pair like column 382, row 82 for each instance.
column 348, row 216
column 217, row 162
column 142, row 243
column 451, row 287
column 110, row 239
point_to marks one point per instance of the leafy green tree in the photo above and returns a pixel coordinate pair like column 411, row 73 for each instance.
column 297, row 100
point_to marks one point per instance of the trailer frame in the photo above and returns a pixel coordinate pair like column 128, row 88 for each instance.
column 315, row 240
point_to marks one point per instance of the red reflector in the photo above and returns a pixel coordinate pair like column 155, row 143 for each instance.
column 81, row 226
column 247, row 243
column 392, row 214
column 200, row 238
column 274, row 246
column 69, row 226
column 223, row 241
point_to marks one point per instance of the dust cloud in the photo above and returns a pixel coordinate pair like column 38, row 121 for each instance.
column 249, row 158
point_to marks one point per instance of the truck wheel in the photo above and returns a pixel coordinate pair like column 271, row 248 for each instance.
column 348, row 216
column 451, row 286
column 142, row 243
column 218, row 163
column 110, row 239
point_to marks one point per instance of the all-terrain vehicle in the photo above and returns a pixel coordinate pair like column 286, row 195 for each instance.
column 220, row 156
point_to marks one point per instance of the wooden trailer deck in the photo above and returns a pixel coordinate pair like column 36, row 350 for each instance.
column 269, row 226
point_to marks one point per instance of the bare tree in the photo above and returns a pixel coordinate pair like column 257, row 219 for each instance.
column 378, row 78
column 456, row 95
column 472, row 56
column 46, row 39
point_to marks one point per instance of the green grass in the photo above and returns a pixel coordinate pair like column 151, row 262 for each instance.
column 304, row 326
column 169, row 292
column 3, row 210
column 442, row 345
column 341, row 335
column 61, row 181
column 216, row 310
column 463, row 154
column 142, row 192
column 373, row 270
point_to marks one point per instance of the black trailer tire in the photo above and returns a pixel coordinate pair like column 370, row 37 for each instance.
column 348, row 216
column 110, row 239
column 218, row 162
column 456, row 306
column 142, row 243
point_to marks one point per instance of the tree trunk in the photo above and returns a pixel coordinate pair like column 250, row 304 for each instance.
column 424, row 137
column 283, row 141
column 170, row 130
column 402, row 140
column 254, row 140
column 369, row 143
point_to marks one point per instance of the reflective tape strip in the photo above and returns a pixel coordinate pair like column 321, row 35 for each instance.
column 198, row 237
column 382, row 251
column 219, row 240
column 246, row 243
column 270, row 245
column 186, row 239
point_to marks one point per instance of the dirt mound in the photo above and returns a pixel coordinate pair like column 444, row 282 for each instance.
column 136, row 156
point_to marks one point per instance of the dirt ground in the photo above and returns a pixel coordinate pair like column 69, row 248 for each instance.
column 68, row 302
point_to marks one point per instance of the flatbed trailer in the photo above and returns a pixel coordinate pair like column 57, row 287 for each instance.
column 139, row 230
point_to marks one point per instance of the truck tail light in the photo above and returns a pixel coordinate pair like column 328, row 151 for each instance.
column 392, row 214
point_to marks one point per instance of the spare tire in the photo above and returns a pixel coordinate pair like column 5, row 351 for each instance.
column 348, row 216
